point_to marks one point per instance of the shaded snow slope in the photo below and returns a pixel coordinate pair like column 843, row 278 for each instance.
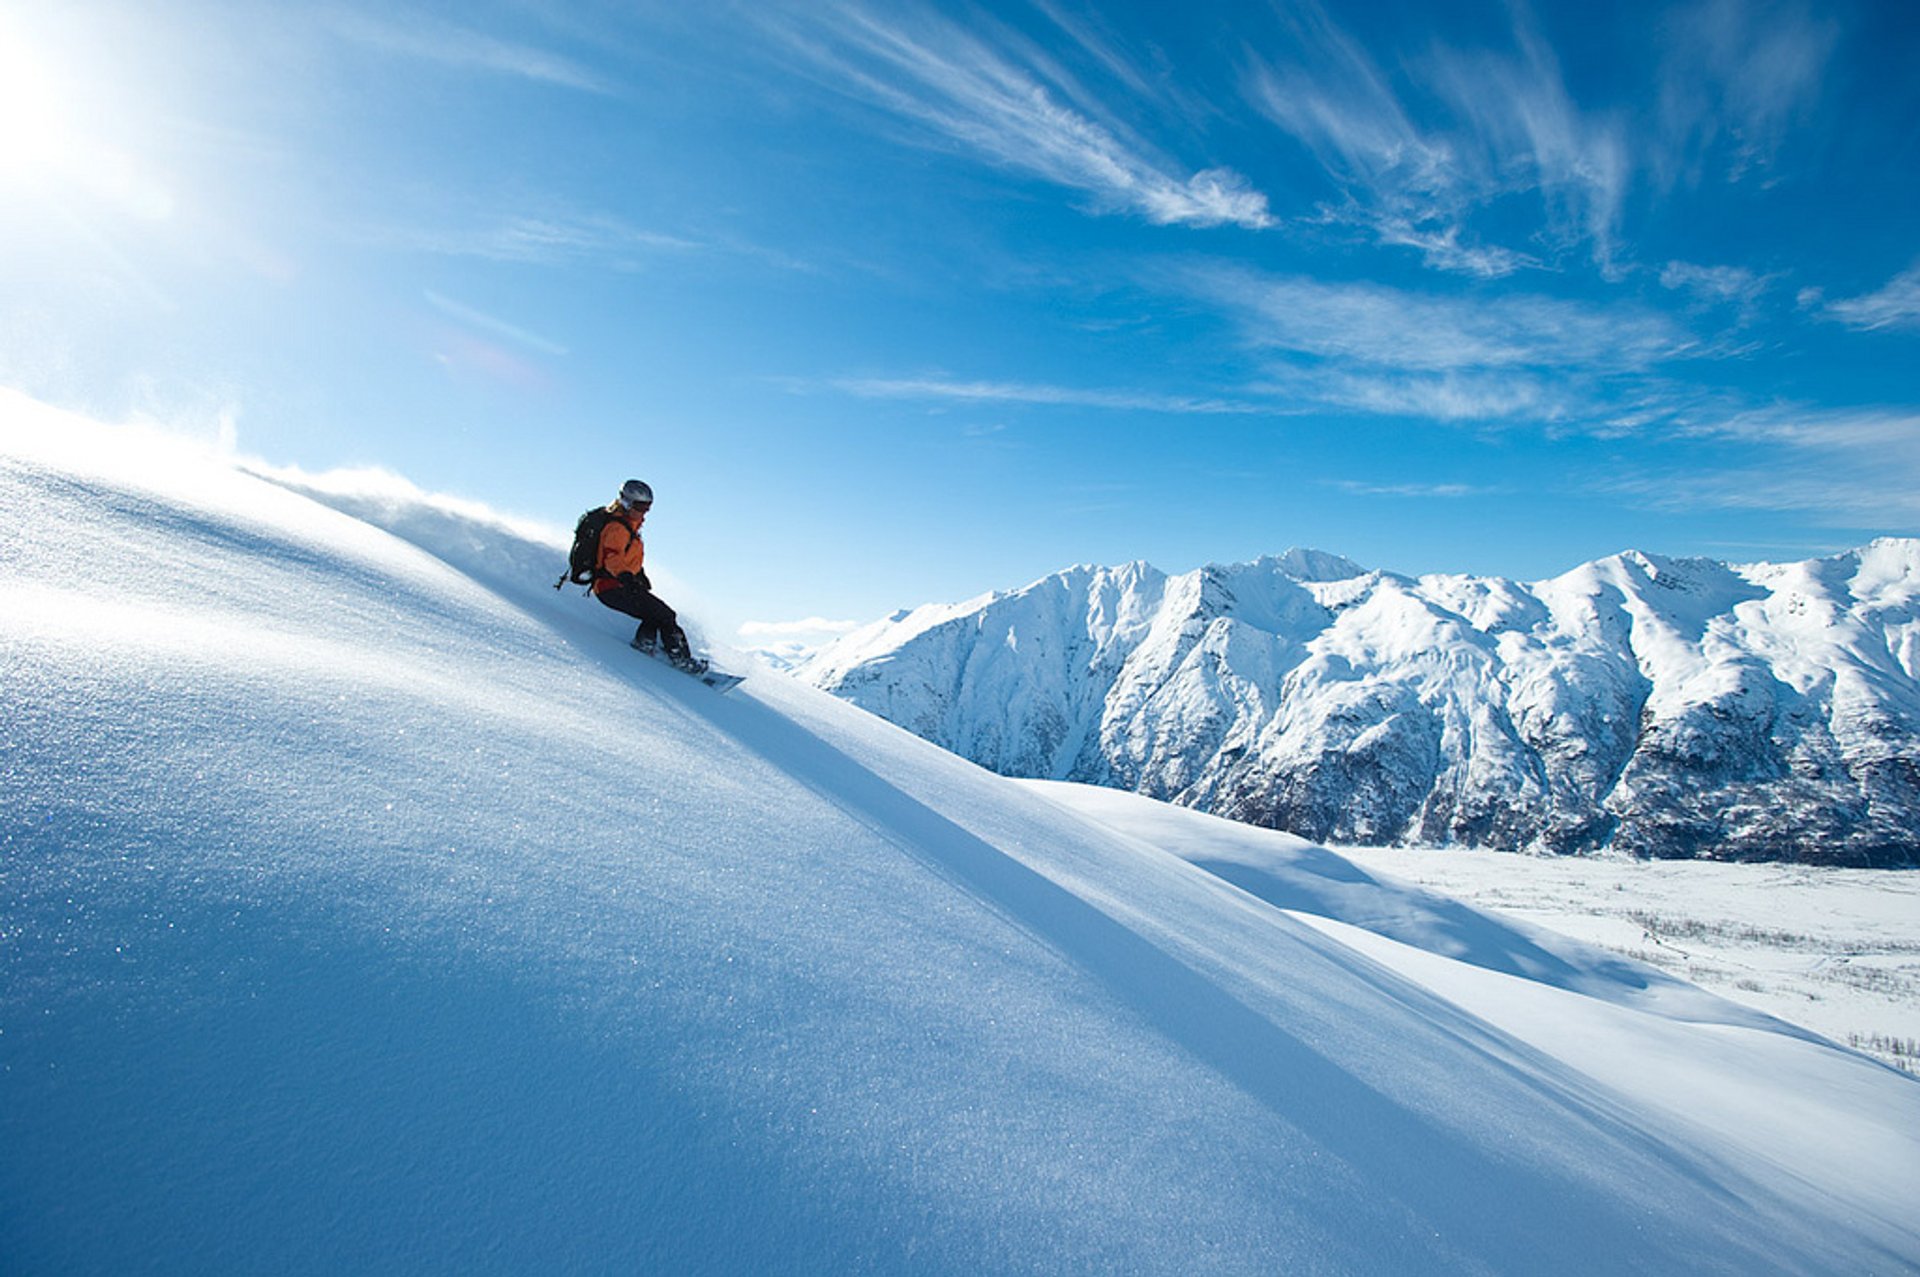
column 1663, row 707
column 1521, row 978
column 362, row 911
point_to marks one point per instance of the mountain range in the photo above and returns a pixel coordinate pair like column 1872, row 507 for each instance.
column 368, row 905
column 1661, row 707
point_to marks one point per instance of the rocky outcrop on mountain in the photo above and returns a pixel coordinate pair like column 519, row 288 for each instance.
column 1656, row 706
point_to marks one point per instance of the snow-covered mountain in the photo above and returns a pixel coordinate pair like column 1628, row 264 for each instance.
column 366, row 905
column 1664, row 707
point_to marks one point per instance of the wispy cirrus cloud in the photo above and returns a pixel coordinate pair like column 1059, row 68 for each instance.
column 1092, row 34
column 1414, row 179
column 1853, row 467
column 1444, row 248
column 985, row 91
column 1450, row 397
column 1368, row 348
column 1525, row 131
column 1450, row 358
column 448, row 44
column 485, row 322
column 1894, row 305
column 1395, row 176
column 1335, row 100
column 1735, row 76
column 1850, row 496
column 1419, row 146
column 1372, row 325
column 1715, row 284
column 1893, row 433
column 1444, row 491
column 549, row 238
column 982, row 392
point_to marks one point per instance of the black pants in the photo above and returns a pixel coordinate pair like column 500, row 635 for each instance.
column 658, row 625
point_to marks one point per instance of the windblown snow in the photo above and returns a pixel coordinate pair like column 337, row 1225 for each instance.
column 365, row 904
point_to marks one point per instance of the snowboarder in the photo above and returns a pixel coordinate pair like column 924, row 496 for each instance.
column 620, row 579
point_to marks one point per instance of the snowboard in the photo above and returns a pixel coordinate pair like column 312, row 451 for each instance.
column 719, row 680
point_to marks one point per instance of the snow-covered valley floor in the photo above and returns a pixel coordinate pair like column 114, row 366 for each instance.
column 1835, row 950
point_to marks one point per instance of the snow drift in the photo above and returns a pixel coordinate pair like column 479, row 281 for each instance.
column 365, row 904
column 1657, row 706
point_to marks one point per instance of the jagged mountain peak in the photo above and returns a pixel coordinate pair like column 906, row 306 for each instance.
column 1660, row 705
column 1311, row 565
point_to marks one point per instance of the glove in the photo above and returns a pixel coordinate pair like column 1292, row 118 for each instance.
column 636, row 579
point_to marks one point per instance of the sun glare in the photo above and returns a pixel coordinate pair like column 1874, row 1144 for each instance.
column 32, row 115
column 44, row 149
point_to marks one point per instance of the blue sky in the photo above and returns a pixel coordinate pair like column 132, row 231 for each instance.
column 898, row 302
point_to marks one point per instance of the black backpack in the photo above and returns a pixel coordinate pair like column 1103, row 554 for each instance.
column 584, row 557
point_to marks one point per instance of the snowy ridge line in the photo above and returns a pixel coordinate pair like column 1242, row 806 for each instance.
column 309, row 965
column 1640, row 704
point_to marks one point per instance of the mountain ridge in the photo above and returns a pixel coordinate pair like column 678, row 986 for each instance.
column 1657, row 705
column 369, row 905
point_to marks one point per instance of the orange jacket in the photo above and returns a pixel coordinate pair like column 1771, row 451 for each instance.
column 621, row 550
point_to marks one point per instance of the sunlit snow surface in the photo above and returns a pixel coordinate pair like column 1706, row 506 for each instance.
column 365, row 904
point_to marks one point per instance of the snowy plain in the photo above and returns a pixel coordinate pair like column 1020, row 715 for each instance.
column 367, row 904
column 1835, row 950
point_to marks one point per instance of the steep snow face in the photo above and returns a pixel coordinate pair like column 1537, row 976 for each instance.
column 1663, row 707
column 365, row 904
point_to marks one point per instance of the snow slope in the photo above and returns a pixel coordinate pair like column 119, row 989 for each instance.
column 1663, row 707
column 366, row 904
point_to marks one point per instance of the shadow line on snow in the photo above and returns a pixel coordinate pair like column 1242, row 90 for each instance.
column 1442, row 1181
column 1463, row 933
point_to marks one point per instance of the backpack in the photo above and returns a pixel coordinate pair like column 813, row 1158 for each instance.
column 584, row 558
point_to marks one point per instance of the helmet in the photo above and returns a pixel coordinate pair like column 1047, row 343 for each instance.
column 633, row 493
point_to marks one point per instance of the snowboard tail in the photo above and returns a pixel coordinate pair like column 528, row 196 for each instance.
column 718, row 680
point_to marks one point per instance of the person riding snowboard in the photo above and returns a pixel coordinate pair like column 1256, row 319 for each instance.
column 620, row 579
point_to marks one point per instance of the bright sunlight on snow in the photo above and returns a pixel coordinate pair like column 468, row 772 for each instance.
column 366, row 904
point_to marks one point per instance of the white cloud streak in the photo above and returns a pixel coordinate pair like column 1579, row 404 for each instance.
column 1371, row 349
column 988, row 93
column 1840, row 496
column 1089, row 32
column 1735, row 76
column 1443, row 250
column 546, row 240
column 1853, row 467
column 1516, row 128
column 1445, row 491
column 489, row 323
column 1370, row 325
column 1418, row 148
column 934, row 388
column 1715, row 284
column 1459, row 358
column 1891, row 432
column 1524, row 120
column 462, row 49
column 1446, row 397
column 1896, row 305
